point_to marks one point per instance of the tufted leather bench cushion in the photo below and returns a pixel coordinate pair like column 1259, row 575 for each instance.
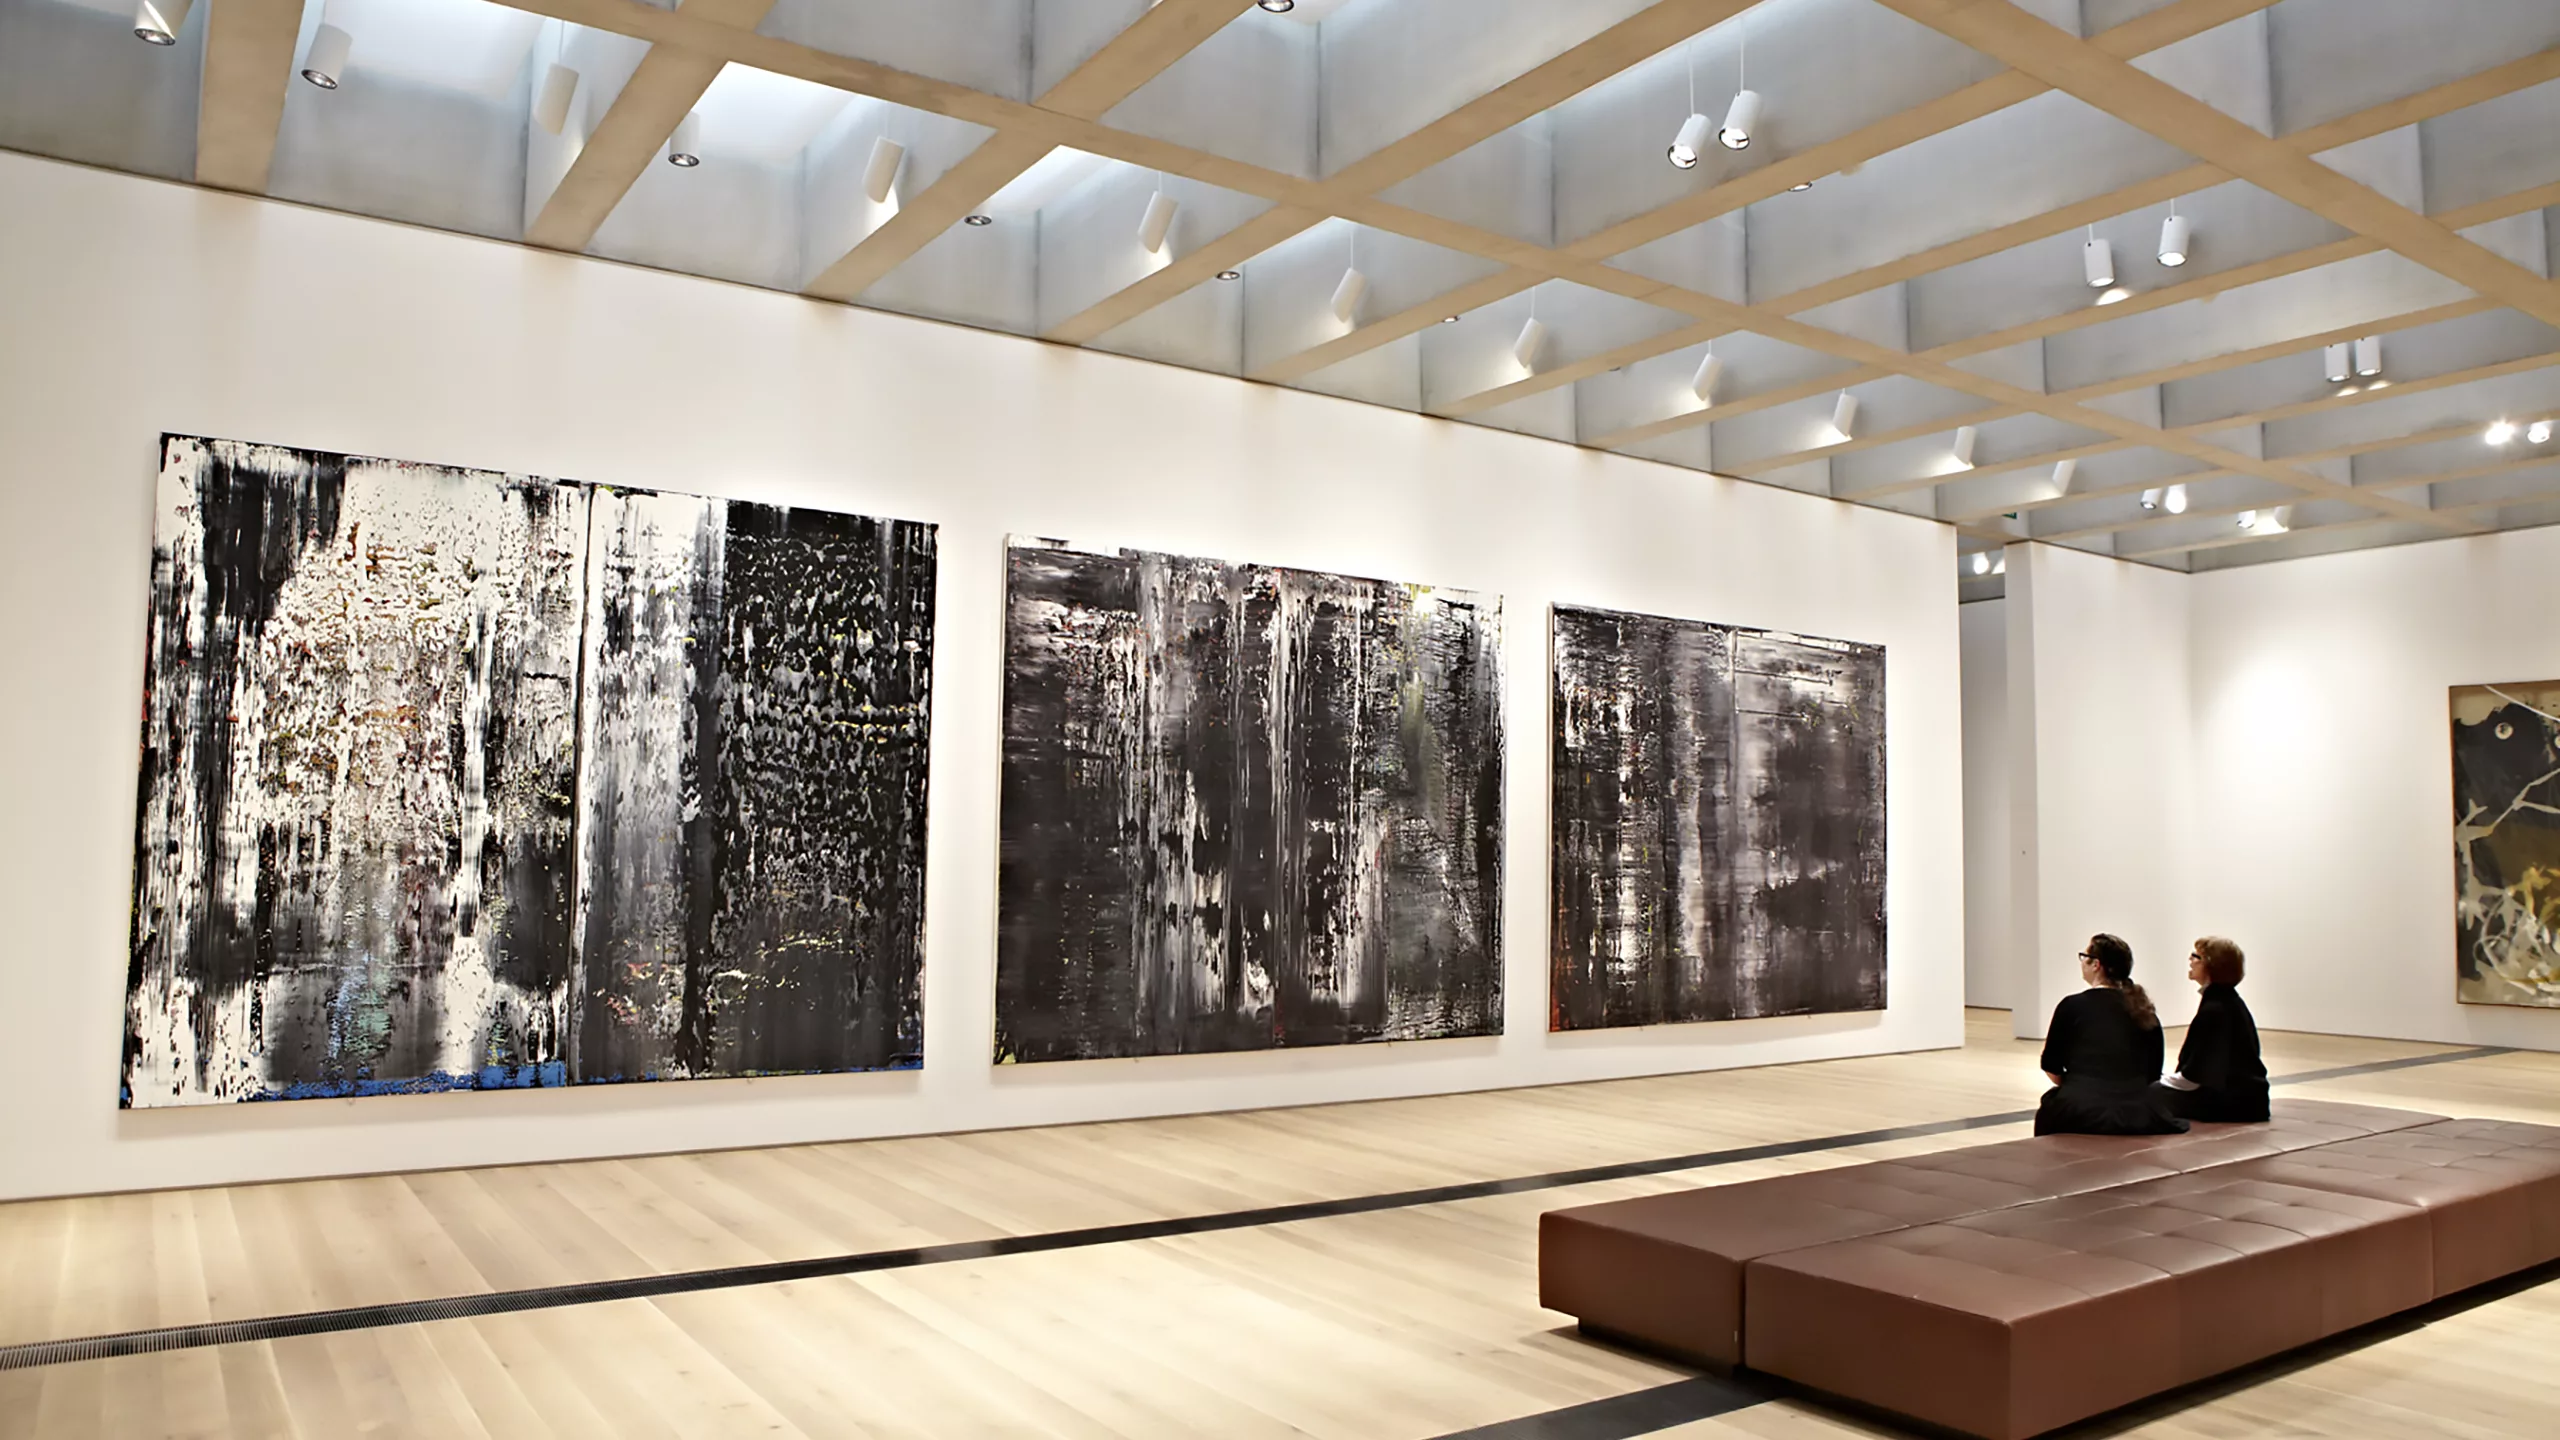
column 2012, row 1322
column 2490, row 1188
column 1667, row 1271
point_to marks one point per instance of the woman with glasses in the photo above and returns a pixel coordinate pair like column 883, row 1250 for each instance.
column 2102, row 1052
column 2219, row 1076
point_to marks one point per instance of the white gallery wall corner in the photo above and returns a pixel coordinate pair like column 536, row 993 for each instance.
column 2261, row 752
column 137, row 308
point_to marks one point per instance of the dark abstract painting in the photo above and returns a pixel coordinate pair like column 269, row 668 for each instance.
column 1244, row 808
column 458, row 780
column 1718, row 822
column 2506, row 843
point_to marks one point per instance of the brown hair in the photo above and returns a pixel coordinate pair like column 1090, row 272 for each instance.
column 2115, row 961
column 2223, row 962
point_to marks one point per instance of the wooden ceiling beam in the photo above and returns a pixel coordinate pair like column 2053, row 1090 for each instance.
column 248, row 67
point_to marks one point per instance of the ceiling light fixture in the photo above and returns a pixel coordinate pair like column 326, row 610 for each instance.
column 1277, row 7
column 1801, row 185
column 1525, row 349
column 2150, row 499
column 880, row 172
column 1156, row 225
column 2539, row 432
column 327, row 58
column 2175, row 232
column 1965, row 435
column 551, row 103
column 2248, row 519
column 1981, row 562
column 1844, row 415
column 2369, row 356
column 2098, row 261
column 2333, row 362
column 684, row 148
column 1686, row 145
column 1448, row 319
column 2175, row 500
column 157, row 21
column 1703, row 384
column 1230, row 274
column 978, row 220
column 1353, row 285
column 1740, row 119
column 2062, row 472
column 2500, row 432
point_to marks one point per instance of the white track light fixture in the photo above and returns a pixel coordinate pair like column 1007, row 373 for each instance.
column 1703, row 384
column 1844, row 416
column 684, row 148
column 2174, row 500
column 156, row 21
column 1691, row 139
column 2098, row 262
column 1157, row 223
column 1277, row 7
column 2333, row 362
column 1740, row 119
column 2175, row 232
column 2500, row 432
column 551, row 103
column 2062, row 473
column 2369, row 356
column 880, row 173
column 1981, row 562
column 1348, row 294
column 2150, row 499
column 1525, row 349
column 2539, row 432
column 327, row 58
column 1965, row 435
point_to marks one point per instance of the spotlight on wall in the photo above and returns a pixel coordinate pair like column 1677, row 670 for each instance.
column 1981, row 562
column 2062, row 473
column 880, row 172
column 2150, row 499
column 2500, row 432
column 2369, row 356
column 1703, row 384
column 1685, row 146
column 2098, row 262
column 1525, row 349
column 1844, row 415
column 1740, row 119
column 2175, row 232
column 2539, row 432
column 1348, row 294
column 1157, row 223
column 551, row 103
column 2333, row 362
column 684, row 148
column 327, row 58
column 1965, row 435
column 2175, row 500
column 157, row 21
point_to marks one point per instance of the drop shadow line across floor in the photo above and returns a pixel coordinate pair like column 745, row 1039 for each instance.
column 685, row 1282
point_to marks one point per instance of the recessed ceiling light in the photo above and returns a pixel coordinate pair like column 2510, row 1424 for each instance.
column 1230, row 274
column 1277, row 7
column 979, row 220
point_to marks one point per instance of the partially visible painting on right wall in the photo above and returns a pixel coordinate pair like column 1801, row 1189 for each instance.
column 2506, row 843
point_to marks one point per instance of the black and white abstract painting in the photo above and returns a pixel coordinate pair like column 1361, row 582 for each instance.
column 2506, row 843
column 460, row 780
column 1718, row 824
column 1244, row 808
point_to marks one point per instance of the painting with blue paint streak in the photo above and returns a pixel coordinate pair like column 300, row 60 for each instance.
column 390, row 778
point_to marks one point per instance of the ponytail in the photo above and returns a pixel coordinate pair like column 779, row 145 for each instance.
column 2145, row 1014
column 2115, row 961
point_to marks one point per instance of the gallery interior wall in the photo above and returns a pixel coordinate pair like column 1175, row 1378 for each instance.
column 136, row 307
column 1984, row 627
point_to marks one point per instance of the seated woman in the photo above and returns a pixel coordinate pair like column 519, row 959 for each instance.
column 2102, row 1053
column 2220, row 1076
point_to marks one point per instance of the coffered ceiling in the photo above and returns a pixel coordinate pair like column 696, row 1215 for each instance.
column 1906, row 226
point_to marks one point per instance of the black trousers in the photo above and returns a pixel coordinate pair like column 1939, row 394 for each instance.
column 2210, row 1103
column 2082, row 1107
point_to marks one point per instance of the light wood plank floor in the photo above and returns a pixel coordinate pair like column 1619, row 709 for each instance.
column 1410, row 1322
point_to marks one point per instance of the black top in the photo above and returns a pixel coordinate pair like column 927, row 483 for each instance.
column 2094, row 1040
column 2221, row 1052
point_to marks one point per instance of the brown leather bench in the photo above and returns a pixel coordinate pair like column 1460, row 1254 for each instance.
column 1666, row 1272
column 2015, row 1316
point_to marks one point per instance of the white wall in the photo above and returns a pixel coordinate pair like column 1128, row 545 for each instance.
column 135, row 307
column 2326, row 779
column 2102, row 822
column 1983, row 628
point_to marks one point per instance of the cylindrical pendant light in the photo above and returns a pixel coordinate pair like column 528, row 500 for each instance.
column 1157, row 223
column 1525, row 349
column 1844, row 414
column 1741, row 118
column 2098, row 262
column 327, row 58
column 551, row 105
column 684, row 148
column 2369, row 356
column 1347, row 296
column 2150, row 500
column 1964, row 446
column 2174, row 234
column 2333, row 362
column 2062, row 472
column 880, row 173
column 1703, row 384
column 1691, row 140
column 157, row 21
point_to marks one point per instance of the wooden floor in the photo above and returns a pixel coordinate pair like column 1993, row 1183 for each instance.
column 1408, row 1322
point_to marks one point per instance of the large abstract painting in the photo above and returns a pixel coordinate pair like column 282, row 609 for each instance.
column 1244, row 808
column 457, row 780
column 1718, row 822
column 2506, row 843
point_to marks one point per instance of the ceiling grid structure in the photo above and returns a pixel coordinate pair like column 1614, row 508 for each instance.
column 1905, row 228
